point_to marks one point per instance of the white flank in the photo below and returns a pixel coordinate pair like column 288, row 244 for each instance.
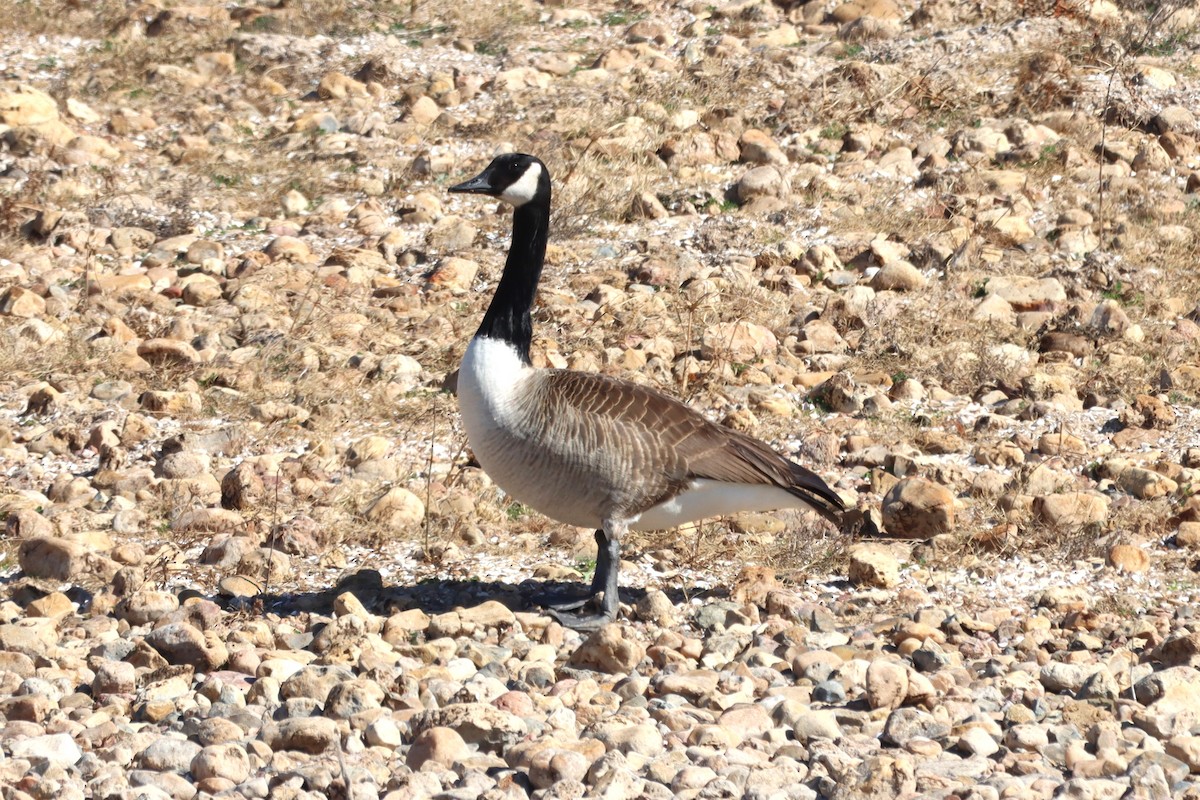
column 524, row 189
column 709, row 498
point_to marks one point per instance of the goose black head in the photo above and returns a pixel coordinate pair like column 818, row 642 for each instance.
column 514, row 178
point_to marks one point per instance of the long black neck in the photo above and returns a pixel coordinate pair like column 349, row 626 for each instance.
column 508, row 317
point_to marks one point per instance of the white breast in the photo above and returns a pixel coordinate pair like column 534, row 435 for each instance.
column 489, row 381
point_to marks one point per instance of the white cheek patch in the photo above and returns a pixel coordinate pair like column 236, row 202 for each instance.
column 525, row 188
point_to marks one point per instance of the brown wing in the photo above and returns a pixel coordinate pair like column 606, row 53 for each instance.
column 669, row 443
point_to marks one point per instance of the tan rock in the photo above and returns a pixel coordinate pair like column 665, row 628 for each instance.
column 918, row 508
column 856, row 9
column 616, row 60
column 1072, row 509
column 82, row 111
column 442, row 745
column 242, row 487
column 228, row 761
column 488, row 614
column 1015, row 228
column 1109, row 319
column 294, row 203
column 1154, row 412
column 1187, row 749
column 305, row 734
column 1188, row 535
column 146, row 605
column 1073, row 343
column 654, row 606
column 1077, row 241
column 1145, row 484
column 752, row 585
column 28, row 523
column 288, row 248
column 126, row 122
column 765, row 181
column 456, row 274
column 898, row 276
column 183, row 464
column 1156, row 77
column 759, row 148
column 1128, row 558
column 424, row 111
column 820, row 336
column 173, row 73
column 171, row 403
column 122, row 284
column 368, row 448
column 208, row 519
column 1176, row 689
column 690, row 148
column 25, row 105
column 479, row 724
column 52, row 557
column 999, row 454
column 743, row 342
column 549, row 767
column 991, row 307
column 1180, row 147
column 873, row 565
column 520, row 78
column 1063, row 599
column 336, row 86
column 94, row 146
column 1180, row 650
column 610, row 649
column 200, row 290
column 19, row 302
column 646, row 205
column 783, row 36
column 559, row 64
column 452, row 233
column 278, row 411
column 397, row 508
column 1025, row 293
column 216, row 64
column 1004, row 180
column 168, row 352
column 316, row 122
column 886, row 684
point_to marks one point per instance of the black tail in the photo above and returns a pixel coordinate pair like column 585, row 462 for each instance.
column 809, row 487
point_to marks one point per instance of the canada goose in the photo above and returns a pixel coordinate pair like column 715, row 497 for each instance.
column 595, row 451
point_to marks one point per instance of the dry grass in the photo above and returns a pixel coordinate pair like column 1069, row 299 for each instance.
column 813, row 549
column 24, row 362
column 1046, row 81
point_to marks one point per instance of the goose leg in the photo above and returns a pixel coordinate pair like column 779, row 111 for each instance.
column 603, row 560
column 608, row 562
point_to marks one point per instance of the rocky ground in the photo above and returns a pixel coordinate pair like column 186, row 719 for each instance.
column 945, row 253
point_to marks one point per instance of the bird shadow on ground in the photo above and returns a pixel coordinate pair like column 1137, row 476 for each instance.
column 433, row 596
